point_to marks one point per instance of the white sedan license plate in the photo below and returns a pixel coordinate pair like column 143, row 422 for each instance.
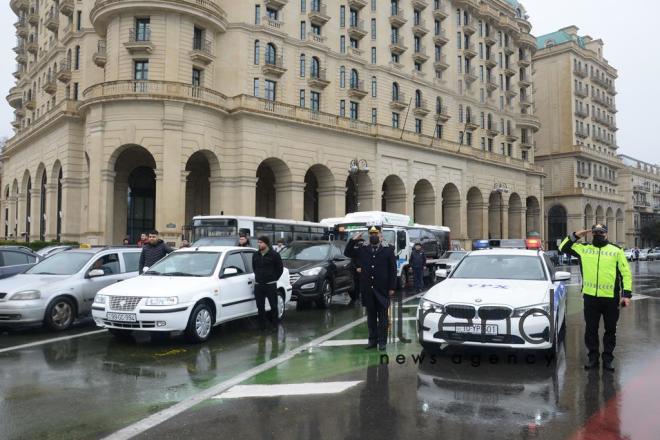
column 476, row 329
column 122, row 317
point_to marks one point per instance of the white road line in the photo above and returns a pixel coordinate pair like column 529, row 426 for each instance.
column 344, row 342
column 292, row 389
column 178, row 408
column 48, row 341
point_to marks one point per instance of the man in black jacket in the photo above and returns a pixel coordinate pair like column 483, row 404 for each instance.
column 268, row 268
column 417, row 261
column 376, row 264
column 152, row 251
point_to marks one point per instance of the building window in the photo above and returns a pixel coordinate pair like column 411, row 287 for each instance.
column 303, row 6
column 355, row 79
column 142, row 29
column 374, row 87
column 196, row 77
column 395, row 91
column 302, row 65
column 355, row 110
column 257, row 49
column 315, row 102
column 373, row 28
column 255, row 87
column 342, row 44
column 257, row 14
column 418, row 126
column 76, row 58
column 438, row 131
column 75, row 94
column 271, row 54
column 374, row 116
column 373, row 5
column 78, row 20
column 141, row 70
column 342, row 16
column 395, row 120
column 316, row 68
column 198, row 38
column 342, row 77
column 373, row 55
column 303, row 30
column 271, row 90
column 302, row 98
column 342, row 108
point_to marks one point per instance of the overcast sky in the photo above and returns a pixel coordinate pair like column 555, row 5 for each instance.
column 627, row 28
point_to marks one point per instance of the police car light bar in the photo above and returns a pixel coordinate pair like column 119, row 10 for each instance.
column 530, row 243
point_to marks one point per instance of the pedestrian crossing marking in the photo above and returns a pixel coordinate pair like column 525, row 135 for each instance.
column 293, row 389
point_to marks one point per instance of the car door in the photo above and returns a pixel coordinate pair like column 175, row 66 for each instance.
column 557, row 285
column 111, row 266
column 14, row 262
column 131, row 263
column 236, row 290
column 343, row 277
column 247, row 259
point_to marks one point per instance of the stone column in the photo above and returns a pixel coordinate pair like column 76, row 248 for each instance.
column 35, row 214
column 332, row 201
column 215, row 194
column 20, row 222
column 238, row 195
column 51, row 211
column 368, row 200
column 12, row 203
column 170, row 194
column 504, row 219
column 424, row 210
column 71, row 211
column 290, row 198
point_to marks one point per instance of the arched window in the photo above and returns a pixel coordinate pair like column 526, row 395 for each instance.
column 302, row 65
column 68, row 58
column 271, row 54
column 395, row 91
column 316, row 67
column 355, row 79
column 257, row 50
column 490, row 121
column 342, row 77
column 468, row 114
column 418, row 98
column 438, row 105
column 374, row 87
column 460, row 113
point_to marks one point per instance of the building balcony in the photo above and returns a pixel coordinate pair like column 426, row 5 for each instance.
column 398, row 18
column 18, row 5
column 319, row 14
column 275, row 4
column 357, row 90
column 524, row 62
column 421, row 108
column 19, row 72
column 419, row 28
column 21, row 28
column 441, row 64
column 274, row 66
column 582, row 134
column 440, row 13
column 490, row 61
column 31, row 45
column 580, row 72
column 355, row 53
column 527, row 144
column 33, row 15
column 202, row 51
column 470, row 75
column 470, row 51
column 491, row 131
column 469, row 28
column 601, row 119
column 601, row 138
column 600, row 99
column 511, row 136
column 139, row 41
column 100, row 57
column 19, row 112
column 64, row 72
column 66, row 7
column 508, row 71
column 526, row 102
column 16, row 123
column 611, row 90
column 524, row 83
column 420, row 5
column 612, row 108
column 581, row 92
column 613, row 126
column 52, row 21
column 471, row 122
column 397, row 46
column 599, row 80
column 420, row 55
column 316, row 39
column 318, row 79
column 30, row 104
column 15, row 98
column 440, row 39
column 490, row 39
column 357, row 30
column 21, row 58
column 527, row 120
column 510, row 93
column 442, row 114
column 50, row 85
column 642, row 188
column 271, row 23
column 509, row 49
column 581, row 113
column 491, row 85
column 358, row 4
column 527, row 41
column 399, row 102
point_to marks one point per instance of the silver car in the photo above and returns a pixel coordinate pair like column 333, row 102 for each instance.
column 61, row 288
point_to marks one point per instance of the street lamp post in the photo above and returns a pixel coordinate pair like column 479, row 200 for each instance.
column 501, row 188
column 355, row 168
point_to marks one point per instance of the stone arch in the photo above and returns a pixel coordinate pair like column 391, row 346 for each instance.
column 533, row 216
column 320, row 188
column 359, row 193
column 600, row 215
column 424, row 203
column 557, row 225
column 273, row 190
column 451, row 208
column 496, row 206
column 201, row 171
column 516, row 212
column 393, row 195
column 475, row 214
column 588, row 216
column 134, row 193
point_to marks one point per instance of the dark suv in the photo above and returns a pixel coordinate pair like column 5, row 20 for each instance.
column 318, row 270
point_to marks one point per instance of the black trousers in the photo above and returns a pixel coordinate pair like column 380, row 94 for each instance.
column 594, row 308
column 261, row 292
column 377, row 322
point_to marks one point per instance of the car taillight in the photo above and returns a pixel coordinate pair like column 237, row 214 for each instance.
column 533, row 243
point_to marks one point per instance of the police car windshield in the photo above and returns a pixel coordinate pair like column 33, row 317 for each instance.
column 501, row 267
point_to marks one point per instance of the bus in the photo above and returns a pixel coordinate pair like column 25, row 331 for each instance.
column 229, row 227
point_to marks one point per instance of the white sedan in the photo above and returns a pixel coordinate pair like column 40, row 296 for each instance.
column 190, row 290
column 499, row 298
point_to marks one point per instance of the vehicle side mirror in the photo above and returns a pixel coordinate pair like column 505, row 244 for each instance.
column 561, row 276
column 441, row 273
column 94, row 273
column 229, row 272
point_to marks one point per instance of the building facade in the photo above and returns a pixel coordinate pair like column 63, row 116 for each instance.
column 639, row 184
column 134, row 115
column 577, row 144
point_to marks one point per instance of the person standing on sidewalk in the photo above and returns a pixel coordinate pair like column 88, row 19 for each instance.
column 606, row 284
column 268, row 268
column 417, row 261
column 376, row 264
column 152, row 251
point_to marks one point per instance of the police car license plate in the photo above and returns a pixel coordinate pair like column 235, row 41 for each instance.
column 122, row 317
column 475, row 329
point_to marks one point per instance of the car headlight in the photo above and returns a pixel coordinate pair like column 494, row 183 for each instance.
column 426, row 305
column 163, row 301
column 311, row 272
column 100, row 299
column 26, row 295
column 517, row 313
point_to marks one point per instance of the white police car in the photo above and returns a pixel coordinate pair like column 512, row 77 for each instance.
column 498, row 297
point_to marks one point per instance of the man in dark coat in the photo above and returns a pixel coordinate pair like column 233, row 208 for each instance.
column 153, row 251
column 417, row 261
column 267, row 266
column 376, row 264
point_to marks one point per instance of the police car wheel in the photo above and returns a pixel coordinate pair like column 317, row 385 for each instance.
column 326, row 295
column 200, row 324
column 281, row 306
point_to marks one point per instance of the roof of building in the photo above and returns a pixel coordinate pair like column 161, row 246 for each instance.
column 514, row 3
column 558, row 37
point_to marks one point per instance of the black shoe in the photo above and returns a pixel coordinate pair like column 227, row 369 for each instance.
column 382, row 347
column 607, row 366
column 591, row 364
column 370, row 346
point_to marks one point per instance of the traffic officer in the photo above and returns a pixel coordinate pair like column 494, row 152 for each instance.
column 606, row 284
column 376, row 264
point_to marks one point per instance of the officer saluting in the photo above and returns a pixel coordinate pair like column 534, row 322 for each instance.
column 376, row 264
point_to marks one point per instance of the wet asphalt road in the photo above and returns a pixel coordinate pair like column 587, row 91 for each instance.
column 91, row 386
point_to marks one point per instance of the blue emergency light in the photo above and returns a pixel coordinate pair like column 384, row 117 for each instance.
column 480, row 244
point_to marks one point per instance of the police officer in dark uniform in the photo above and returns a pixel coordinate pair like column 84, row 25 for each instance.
column 376, row 264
